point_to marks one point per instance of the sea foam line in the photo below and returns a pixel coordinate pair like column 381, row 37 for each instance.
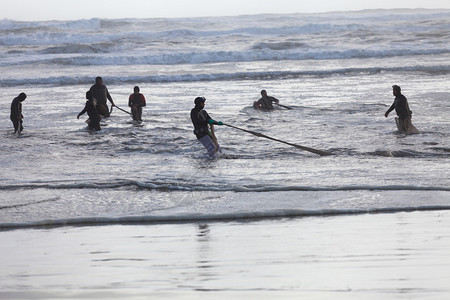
column 195, row 187
column 207, row 77
column 193, row 218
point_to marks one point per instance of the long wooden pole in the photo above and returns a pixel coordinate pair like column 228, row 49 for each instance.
column 319, row 152
column 287, row 107
column 121, row 110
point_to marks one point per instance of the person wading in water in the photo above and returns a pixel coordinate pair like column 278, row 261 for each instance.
column 16, row 113
column 100, row 93
column 404, row 114
column 91, row 109
column 136, row 101
column 203, row 127
column 265, row 102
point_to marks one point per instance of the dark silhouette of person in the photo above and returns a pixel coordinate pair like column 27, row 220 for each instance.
column 265, row 102
column 16, row 113
column 136, row 101
column 101, row 94
column 91, row 109
column 202, row 127
column 404, row 114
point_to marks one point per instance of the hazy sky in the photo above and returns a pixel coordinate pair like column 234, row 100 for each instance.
column 34, row 10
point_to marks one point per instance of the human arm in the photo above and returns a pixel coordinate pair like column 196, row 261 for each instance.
column 273, row 99
column 386, row 114
column 82, row 112
column 109, row 97
column 401, row 107
column 202, row 118
column 213, row 122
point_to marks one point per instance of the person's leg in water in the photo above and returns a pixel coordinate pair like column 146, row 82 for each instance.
column 139, row 114
column 214, row 138
column 94, row 124
column 17, row 123
column 136, row 112
column 209, row 145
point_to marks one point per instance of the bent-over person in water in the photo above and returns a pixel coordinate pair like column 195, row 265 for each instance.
column 16, row 113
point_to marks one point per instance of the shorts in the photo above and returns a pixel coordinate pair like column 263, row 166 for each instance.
column 209, row 145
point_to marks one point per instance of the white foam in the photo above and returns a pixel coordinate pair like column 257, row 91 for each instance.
column 253, row 38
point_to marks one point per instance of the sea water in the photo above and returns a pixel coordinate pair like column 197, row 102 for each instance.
column 334, row 70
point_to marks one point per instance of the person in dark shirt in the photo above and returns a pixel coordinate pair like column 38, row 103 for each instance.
column 203, row 127
column 101, row 94
column 402, row 110
column 16, row 112
column 91, row 109
column 265, row 102
column 136, row 101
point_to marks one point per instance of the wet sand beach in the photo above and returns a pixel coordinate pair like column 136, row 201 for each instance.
column 365, row 256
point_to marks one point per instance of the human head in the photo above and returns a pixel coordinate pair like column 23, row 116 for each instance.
column 88, row 95
column 98, row 80
column 199, row 101
column 263, row 93
column 22, row 97
column 396, row 90
column 136, row 89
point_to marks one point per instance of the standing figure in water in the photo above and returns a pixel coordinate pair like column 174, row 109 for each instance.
column 91, row 109
column 16, row 112
column 203, row 127
column 100, row 93
column 404, row 114
column 136, row 101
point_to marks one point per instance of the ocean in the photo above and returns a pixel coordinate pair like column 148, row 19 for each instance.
column 335, row 70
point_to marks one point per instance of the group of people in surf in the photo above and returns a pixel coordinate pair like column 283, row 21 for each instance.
column 96, row 107
column 204, row 124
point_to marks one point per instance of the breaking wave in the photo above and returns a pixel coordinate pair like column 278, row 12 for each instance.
column 195, row 217
column 92, row 55
column 266, row 75
column 186, row 186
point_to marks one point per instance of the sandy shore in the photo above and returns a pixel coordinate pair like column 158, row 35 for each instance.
column 368, row 256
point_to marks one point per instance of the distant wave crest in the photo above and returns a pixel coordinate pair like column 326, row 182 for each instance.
column 102, row 54
column 268, row 75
